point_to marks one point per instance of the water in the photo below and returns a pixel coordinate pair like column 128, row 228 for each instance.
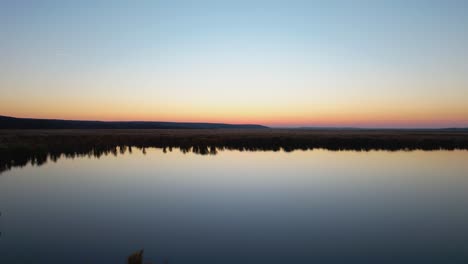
column 239, row 207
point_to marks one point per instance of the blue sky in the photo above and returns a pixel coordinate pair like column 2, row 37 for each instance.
column 386, row 63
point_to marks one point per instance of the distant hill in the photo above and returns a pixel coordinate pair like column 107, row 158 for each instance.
column 7, row 122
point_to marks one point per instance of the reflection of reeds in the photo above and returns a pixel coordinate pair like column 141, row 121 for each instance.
column 18, row 147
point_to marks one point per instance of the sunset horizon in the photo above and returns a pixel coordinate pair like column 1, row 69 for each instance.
column 292, row 122
column 389, row 65
column 233, row 131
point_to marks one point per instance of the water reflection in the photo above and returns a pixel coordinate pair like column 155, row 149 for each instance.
column 238, row 207
column 23, row 158
column 38, row 156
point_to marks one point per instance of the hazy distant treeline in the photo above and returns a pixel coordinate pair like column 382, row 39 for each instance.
column 7, row 122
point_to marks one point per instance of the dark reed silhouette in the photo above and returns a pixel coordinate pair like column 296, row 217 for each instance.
column 20, row 147
column 136, row 258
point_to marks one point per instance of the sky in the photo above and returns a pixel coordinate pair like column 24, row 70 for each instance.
column 277, row 63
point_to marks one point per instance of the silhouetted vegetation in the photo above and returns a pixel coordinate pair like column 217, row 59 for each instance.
column 136, row 258
column 20, row 147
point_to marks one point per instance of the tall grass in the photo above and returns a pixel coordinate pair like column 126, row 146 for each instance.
column 20, row 147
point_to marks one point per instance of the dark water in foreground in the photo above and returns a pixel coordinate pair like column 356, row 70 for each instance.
column 239, row 207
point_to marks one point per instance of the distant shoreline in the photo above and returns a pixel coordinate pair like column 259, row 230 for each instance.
column 20, row 147
column 8, row 122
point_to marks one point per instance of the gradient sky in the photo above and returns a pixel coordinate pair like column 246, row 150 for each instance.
column 279, row 63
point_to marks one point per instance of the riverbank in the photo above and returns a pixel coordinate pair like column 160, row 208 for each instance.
column 18, row 147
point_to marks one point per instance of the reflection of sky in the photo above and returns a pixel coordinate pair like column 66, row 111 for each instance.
column 249, row 206
column 271, row 62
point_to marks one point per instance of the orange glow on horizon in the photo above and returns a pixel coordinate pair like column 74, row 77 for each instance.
column 285, row 114
column 324, row 120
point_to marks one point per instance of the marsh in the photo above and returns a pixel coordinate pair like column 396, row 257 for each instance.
column 18, row 147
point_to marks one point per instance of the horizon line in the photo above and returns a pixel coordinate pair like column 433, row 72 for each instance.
column 304, row 127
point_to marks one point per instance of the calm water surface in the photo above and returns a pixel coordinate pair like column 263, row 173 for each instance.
column 239, row 207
